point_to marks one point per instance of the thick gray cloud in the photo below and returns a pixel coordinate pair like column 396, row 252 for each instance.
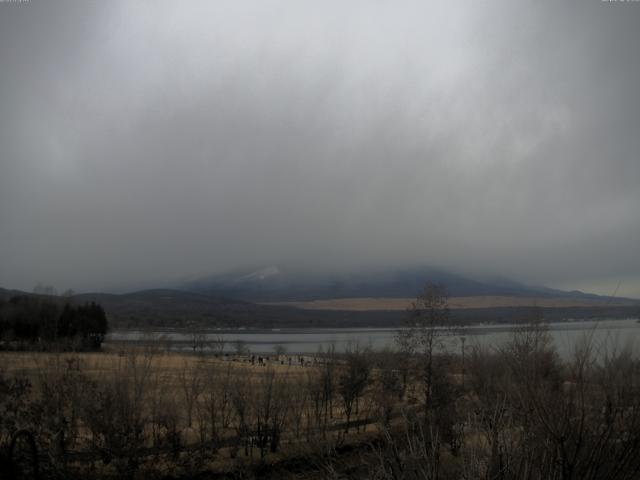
column 146, row 141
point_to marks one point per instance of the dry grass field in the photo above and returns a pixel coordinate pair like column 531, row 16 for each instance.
column 152, row 410
column 165, row 363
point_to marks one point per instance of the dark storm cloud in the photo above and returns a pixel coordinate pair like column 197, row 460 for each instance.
column 151, row 140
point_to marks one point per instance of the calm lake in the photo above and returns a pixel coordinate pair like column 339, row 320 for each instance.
column 606, row 334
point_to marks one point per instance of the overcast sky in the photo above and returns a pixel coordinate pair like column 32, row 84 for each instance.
column 143, row 142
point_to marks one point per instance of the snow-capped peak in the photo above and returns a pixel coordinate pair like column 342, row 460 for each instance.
column 259, row 275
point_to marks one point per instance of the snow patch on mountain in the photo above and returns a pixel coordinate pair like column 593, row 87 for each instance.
column 259, row 275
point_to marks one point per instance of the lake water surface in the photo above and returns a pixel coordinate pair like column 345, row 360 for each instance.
column 604, row 334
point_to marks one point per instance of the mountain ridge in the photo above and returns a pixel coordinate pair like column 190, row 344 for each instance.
column 277, row 284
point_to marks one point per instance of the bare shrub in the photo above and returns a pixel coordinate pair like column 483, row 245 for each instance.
column 15, row 407
column 115, row 412
column 215, row 405
column 190, row 379
column 59, row 391
column 354, row 378
column 270, row 408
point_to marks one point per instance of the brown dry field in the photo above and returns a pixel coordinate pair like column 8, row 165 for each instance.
column 164, row 374
column 168, row 364
column 163, row 370
column 368, row 304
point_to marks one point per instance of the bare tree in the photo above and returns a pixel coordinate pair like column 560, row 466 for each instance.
column 389, row 387
column 215, row 409
column 353, row 380
column 423, row 331
column 191, row 384
column 279, row 349
column 298, row 403
column 240, row 347
column 269, row 406
column 198, row 341
column 218, row 343
column 115, row 412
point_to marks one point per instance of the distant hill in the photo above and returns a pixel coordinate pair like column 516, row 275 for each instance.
column 179, row 309
column 276, row 284
column 173, row 308
column 166, row 308
column 176, row 309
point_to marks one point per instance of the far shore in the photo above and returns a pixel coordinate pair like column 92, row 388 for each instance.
column 394, row 304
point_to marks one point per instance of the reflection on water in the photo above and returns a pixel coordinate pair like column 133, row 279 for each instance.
column 604, row 334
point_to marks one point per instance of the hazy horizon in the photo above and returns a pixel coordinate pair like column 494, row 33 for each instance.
column 142, row 143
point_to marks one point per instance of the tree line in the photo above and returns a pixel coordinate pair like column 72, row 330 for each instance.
column 32, row 321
